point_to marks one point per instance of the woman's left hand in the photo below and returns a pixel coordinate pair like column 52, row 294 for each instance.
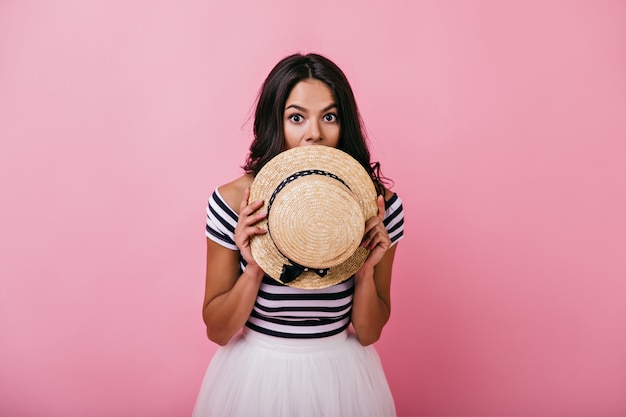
column 376, row 239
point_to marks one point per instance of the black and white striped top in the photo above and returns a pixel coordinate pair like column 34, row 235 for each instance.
column 285, row 311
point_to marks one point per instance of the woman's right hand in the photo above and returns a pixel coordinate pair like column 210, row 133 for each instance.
column 245, row 226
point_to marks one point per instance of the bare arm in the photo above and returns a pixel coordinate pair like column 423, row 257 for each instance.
column 230, row 296
column 371, row 306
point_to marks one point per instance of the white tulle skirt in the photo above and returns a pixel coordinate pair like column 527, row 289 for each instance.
column 257, row 375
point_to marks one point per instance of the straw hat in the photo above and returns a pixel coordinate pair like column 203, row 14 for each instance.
column 317, row 200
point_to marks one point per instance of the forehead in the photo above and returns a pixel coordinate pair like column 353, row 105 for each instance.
column 311, row 91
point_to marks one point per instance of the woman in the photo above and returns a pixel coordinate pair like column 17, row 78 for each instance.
column 296, row 355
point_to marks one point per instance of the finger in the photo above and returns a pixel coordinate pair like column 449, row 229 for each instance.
column 255, row 230
column 370, row 230
column 373, row 241
column 247, row 233
column 250, row 232
column 378, row 233
column 254, row 218
column 244, row 200
column 381, row 207
column 250, row 219
column 250, row 208
column 365, row 241
column 245, row 229
column 368, row 237
column 370, row 224
column 247, row 223
column 380, row 240
column 380, row 203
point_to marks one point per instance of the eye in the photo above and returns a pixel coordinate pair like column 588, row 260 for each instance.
column 296, row 118
column 330, row 117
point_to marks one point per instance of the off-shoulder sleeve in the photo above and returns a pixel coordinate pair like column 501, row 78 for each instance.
column 394, row 218
column 221, row 221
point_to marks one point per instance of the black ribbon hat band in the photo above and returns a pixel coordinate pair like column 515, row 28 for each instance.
column 291, row 272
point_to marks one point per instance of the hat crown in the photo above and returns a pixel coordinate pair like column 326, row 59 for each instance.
column 317, row 222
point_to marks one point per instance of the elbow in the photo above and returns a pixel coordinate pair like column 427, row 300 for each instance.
column 368, row 339
column 217, row 337
column 217, row 333
column 368, row 333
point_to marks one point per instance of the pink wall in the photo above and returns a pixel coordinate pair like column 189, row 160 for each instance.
column 502, row 123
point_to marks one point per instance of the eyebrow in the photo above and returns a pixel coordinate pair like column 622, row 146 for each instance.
column 302, row 109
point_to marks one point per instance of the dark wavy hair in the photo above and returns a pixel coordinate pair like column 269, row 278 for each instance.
column 269, row 136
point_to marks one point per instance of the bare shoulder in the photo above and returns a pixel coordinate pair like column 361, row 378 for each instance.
column 388, row 194
column 233, row 191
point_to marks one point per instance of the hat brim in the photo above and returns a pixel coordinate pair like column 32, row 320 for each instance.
column 302, row 158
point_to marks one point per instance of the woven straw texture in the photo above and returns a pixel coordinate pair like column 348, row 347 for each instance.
column 315, row 220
